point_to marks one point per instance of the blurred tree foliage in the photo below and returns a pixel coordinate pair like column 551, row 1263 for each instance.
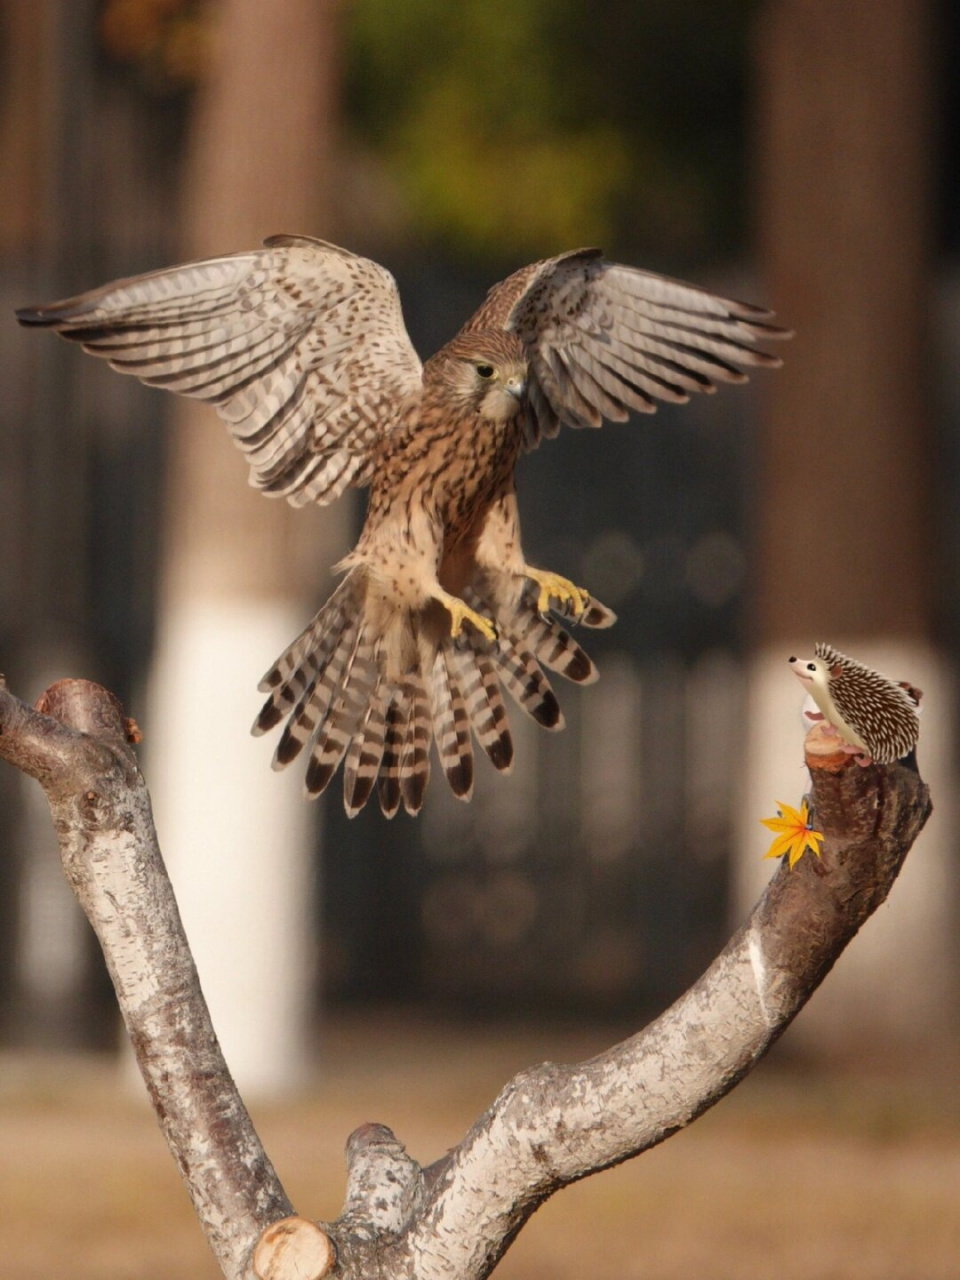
column 165, row 42
column 507, row 128
column 513, row 127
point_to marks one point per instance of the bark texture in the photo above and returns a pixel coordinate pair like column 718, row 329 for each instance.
column 551, row 1125
column 76, row 745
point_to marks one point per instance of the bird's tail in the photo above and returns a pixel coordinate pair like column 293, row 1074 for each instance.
column 342, row 693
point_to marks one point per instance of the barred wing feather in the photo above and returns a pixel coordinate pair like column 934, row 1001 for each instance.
column 300, row 346
column 606, row 340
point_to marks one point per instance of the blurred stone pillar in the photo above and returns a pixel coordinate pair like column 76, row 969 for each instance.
column 242, row 573
column 843, row 488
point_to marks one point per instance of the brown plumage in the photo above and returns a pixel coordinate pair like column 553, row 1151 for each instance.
column 302, row 349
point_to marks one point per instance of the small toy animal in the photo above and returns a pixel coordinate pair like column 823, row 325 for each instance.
column 875, row 717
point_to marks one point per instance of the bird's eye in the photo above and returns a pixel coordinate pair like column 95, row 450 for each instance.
column 485, row 370
column 811, row 666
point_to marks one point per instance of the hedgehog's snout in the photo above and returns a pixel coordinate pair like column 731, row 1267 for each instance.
column 802, row 669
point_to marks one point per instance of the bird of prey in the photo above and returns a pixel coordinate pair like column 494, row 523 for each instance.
column 302, row 349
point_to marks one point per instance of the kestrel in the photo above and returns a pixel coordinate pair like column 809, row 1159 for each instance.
column 302, row 348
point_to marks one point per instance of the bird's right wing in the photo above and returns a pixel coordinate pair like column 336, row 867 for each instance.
column 300, row 346
column 606, row 340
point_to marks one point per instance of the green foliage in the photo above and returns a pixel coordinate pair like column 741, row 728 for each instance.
column 513, row 127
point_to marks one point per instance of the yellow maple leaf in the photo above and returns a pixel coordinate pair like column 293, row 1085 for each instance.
column 795, row 835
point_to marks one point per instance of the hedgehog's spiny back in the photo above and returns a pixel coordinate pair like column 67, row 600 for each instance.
column 879, row 709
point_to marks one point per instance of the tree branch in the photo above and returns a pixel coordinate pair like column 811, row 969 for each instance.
column 550, row 1126
column 77, row 748
column 553, row 1125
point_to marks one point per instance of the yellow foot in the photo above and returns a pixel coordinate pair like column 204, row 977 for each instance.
column 553, row 587
column 461, row 613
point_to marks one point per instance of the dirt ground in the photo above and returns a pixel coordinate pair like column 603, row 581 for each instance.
column 852, row 1174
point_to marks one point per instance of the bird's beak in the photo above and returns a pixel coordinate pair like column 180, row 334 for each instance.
column 516, row 385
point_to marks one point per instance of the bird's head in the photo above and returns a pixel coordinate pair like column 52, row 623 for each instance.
column 486, row 372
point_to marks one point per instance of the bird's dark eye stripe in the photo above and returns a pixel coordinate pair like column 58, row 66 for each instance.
column 485, row 370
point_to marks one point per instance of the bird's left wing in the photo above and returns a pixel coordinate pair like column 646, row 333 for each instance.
column 605, row 340
column 300, row 346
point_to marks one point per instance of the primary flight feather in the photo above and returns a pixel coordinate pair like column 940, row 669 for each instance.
column 302, row 349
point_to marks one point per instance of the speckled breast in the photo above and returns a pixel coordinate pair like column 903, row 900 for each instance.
column 478, row 470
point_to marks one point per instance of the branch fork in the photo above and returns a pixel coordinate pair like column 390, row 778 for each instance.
column 551, row 1124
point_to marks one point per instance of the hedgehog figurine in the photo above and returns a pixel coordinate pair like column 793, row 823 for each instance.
column 876, row 718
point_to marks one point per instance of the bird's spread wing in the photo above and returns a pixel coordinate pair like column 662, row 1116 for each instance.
column 605, row 340
column 301, row 347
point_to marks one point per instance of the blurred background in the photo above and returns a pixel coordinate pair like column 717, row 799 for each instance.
column 799, row 153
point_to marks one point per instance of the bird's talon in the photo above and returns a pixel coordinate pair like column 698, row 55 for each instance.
column 572, row 600
column 461, row 613
column 484, row 626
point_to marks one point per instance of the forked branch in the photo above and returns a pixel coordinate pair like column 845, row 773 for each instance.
column 550, row 1126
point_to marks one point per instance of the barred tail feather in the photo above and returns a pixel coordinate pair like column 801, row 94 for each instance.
column 323, row 693
column 598, row 616
column 527, row 642
column 362, row 765
column 523, row 678
column 476, row 678
column 303, row 661
column 415, row 758
column 553, row 646
column 451, row 726
column 344, row 716
column 335, row 688
column 395, row 732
